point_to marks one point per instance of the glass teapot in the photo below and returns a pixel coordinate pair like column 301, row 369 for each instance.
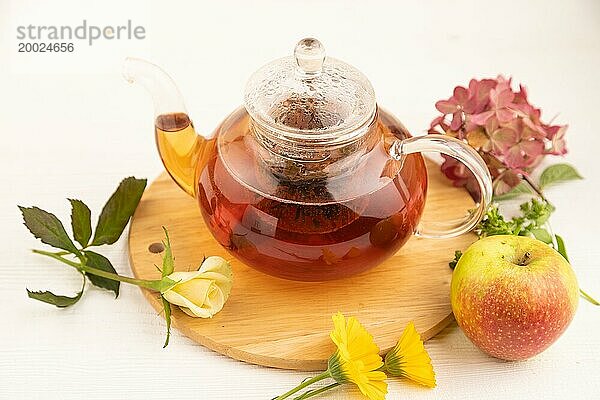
column 310, row 180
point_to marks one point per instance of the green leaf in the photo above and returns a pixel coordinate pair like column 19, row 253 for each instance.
column 558, row 173
column 543, row 235
column 168, row 262
column 98, row 261
column 117, row 211
column 81, row 222
column 561, row 247
column 167, row 308
column 56, row 300
column 519, row 190
column 46, row 227
column 457, row 256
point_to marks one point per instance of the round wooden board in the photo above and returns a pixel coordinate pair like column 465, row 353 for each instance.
column 286, row 324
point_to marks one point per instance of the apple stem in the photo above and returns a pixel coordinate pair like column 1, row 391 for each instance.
column 525, row 260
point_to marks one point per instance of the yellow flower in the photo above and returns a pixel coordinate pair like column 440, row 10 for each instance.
column 201, row 293
column 410, row 359
column 357, row 358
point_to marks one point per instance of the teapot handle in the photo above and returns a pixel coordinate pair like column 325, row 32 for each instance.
column 472, row 160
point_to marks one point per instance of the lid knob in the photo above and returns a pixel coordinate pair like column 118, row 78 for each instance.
column 310, row 55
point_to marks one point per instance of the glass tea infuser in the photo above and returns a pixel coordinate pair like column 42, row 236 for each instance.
column 310, row 179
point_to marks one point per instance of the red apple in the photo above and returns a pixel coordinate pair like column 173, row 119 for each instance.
column 513, row 296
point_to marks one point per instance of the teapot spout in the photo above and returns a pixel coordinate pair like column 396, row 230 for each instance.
column 181, row 149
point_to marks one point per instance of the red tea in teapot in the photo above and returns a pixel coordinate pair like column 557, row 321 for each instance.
column 311, row 229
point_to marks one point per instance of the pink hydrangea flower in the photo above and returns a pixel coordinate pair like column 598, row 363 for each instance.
column 457, row 105
column 502, row 126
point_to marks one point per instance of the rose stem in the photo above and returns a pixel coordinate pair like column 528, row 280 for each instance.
column 154, row 285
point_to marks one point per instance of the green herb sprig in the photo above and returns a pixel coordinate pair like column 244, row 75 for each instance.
column 534, row 214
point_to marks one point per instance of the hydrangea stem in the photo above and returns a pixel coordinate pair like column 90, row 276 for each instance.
column 535, row 188
column 154, row 285
column 304, row 384
column 526, row 178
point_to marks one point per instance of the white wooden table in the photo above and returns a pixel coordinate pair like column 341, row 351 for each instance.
column 71, row 127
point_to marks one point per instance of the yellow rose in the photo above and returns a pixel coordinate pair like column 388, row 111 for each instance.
column 201, row 293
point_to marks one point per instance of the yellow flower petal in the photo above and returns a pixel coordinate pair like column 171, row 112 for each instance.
column 219, row 270
column 195, row 290
column 357, row 358
column 201, row 293
column 410, row 359
column 353, row 341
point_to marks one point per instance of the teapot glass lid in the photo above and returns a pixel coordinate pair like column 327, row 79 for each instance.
column 310, row 94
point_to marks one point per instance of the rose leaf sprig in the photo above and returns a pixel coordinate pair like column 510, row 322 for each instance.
column 200, row 293
column 111, row 223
